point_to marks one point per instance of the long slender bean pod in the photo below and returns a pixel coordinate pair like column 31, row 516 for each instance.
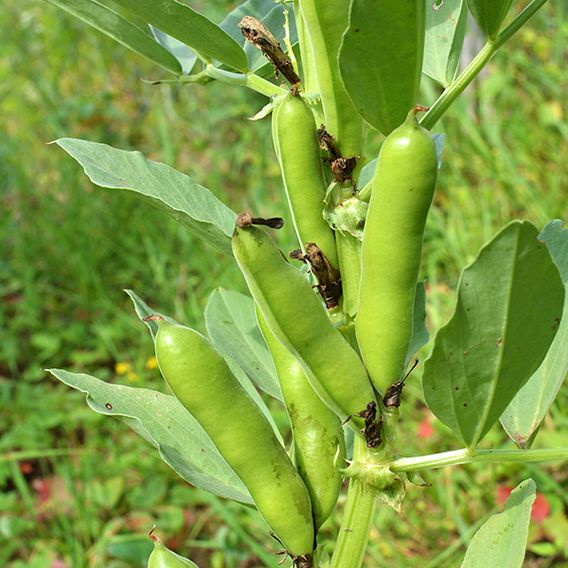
column 295, row 141
column 326, row 20
column 299, row 321
column 402, row 190
column 201, row 380
column 319, row 445
column 309, row 77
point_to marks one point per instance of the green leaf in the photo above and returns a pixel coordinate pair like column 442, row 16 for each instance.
column 502, row 539
column 446, row 24
column 143, row 310
column 124, row 32
column 187, row 202
column 367, row 173
column 420, row 333
column 167, row 425
column 184, row 54
column 527, row 410
column 381, row 59
column 509, row 304
column 231, row 325
column 489, row 14
column 179, row 20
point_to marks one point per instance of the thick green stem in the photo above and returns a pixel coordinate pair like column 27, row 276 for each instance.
column 477, row 64
column 464, row 456
column 357, row 518
column 349, row 253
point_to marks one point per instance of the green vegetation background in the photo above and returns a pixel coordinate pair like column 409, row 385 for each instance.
column 81, row 490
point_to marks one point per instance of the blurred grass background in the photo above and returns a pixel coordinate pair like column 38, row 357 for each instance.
column 79, row 490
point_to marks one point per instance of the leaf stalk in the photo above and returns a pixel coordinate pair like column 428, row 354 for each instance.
column 465, row 456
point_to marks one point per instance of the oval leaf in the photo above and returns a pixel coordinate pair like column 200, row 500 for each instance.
column 420, row 333
column 231, row 325
column 489, row 14
column 509, row 305
column 124, row 32
column 527, row 410
column 184, row 54
column 166, row 424
column 186, row 201
column 446, row 24
column 180, row 21
column 381, row 59
column 501, row 540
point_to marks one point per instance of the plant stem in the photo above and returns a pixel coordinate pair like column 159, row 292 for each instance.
column 349, row 253
column 357, row 518
column 477, row 64
column 41, row 454
column 249, row 80
column 465, row 455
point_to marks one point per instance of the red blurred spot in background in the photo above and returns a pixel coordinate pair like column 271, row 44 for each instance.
column 540, row 509
column 425, row 428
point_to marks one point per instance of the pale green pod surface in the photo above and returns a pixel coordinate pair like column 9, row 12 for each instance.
column 295, row 140
column 326, row 20
column 489, row 14
column 402, row 190
column 319, row 445
column 299, row 321
column 201, row 380
column 162, row 557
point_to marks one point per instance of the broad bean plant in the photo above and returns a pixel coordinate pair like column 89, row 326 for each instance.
column 331, row 330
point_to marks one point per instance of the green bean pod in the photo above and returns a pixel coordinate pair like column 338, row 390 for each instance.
column 295, row 140
column 299, row 321
column 162, row 557
column 326, row 20
column 402, row 190
column 201, row 380
column 319, row 445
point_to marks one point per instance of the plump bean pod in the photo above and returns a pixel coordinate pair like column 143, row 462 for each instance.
column 299, row 321
column 309, row 77
column 319, row 445
column 201, row 380
column 162, row 557
column 294, row 133
column 402, row 189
